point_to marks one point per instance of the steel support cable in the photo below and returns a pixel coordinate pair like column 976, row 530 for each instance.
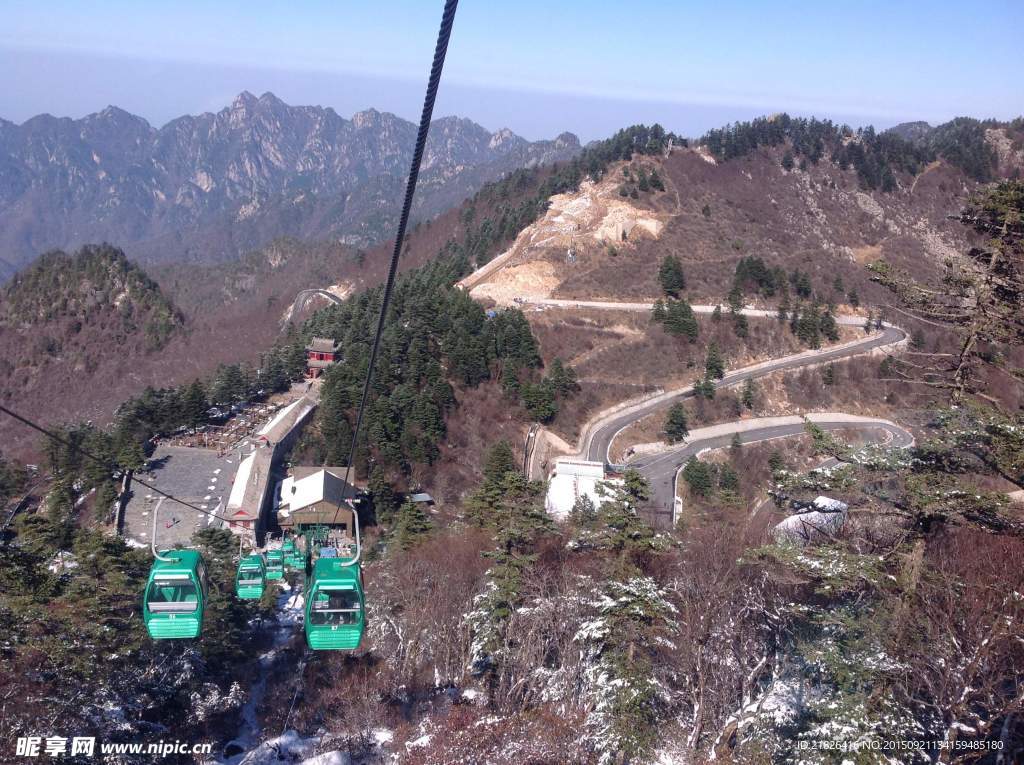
column 441, row 49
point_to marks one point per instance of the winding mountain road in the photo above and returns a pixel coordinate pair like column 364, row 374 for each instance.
column 599, row 436
column 661, row 469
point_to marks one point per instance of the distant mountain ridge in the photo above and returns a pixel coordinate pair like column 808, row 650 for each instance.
column 210, row 186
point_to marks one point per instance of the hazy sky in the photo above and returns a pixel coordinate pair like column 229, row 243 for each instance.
column 537, row 67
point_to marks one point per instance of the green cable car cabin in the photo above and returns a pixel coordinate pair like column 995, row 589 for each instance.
column 251, row 577
column 275, row 564
column 175, row 596
column 335, row 617
column 292, row 559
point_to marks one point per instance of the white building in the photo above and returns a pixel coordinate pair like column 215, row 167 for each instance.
column 572, row 479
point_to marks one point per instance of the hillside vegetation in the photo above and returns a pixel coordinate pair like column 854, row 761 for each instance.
column 876, row 157
column 72, row 320
column 437, row 344
column 496, row 634
column 97, row 286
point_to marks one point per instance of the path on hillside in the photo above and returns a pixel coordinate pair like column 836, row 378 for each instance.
column 662, row 468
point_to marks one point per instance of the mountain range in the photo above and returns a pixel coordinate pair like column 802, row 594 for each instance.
column 208, row 187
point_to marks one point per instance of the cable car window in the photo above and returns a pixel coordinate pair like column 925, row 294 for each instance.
column 173, row 595
column 250, row 575
column 335, row 607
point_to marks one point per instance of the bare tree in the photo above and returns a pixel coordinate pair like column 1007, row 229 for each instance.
column 963, row 648
column 981, row 295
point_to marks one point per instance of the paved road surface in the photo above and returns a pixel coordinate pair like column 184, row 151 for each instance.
column 661, row 469
column 598, row 440
column 608, row 305
column 201, row 477
column 304, row 296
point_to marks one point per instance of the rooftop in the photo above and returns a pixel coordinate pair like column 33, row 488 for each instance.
column 321, row 345
column 298, row 492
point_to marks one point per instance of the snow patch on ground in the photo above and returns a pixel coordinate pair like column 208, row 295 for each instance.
column 61, row 562
column 289, row 616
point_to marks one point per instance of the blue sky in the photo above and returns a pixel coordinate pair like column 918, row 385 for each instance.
column 536, row 67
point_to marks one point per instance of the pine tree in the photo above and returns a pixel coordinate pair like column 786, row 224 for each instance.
column 714, row 365
column 539, row 400
column 131, row 455
column 671, row 277
column 412, row 525
column 704, row 388
column 519, row 520
column 698, row 477
column 828, row 376
column 482, row 506
column 808, row 327
column 641, row 180
column 716, row 315
column 194, row 404
column 747, row 395
column 382, row 495
column 740, row 326
column 562, row 378
column 828, row 326
column 621, row 531
column 801, row 283
column 676, row 425
column 499, row 461
column 659, row 314
column 728, row 479
column 888, row 180
column 787, row 161
column 680, row 320
column 735, row 298
column 583, row 512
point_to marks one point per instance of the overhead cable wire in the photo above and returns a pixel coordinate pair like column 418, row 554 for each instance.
column 440, row 50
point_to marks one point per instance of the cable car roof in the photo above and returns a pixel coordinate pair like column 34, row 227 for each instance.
column 183, row 560
column 333, row 570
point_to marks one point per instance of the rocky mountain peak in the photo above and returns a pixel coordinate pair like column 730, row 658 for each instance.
column 225, row 183
column 567, row 141
column 368, row 118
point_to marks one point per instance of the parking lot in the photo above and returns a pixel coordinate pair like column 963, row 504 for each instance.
column 198, row 476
